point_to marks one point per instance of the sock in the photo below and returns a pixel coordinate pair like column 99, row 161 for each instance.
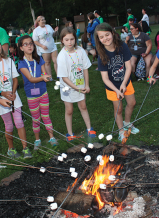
column 126, row 123
column 121, row 132
column 52, row 138
column 37, row 140
column 88, row 129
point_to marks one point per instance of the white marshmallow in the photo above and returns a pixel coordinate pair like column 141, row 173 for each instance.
column 42, row 169
column 101, row 136
column 72, row 169
column 103, row 186
column 56, row 87
column 109, row 137
column 60, row 158
column 57, row 83
column 90, row 145
column 66, row 88
column 101, row 162
column 64, row 155
column 87, row 158
column 50, row 199
column 111, row 178
column 63, row 89
column 53, row 206
column 111, row 157
column 99, row 157
column 74, row 174
column 83, row 150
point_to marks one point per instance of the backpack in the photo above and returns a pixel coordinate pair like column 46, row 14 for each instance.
column 140, row 69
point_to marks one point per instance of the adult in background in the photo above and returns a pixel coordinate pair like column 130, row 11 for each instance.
column 145, row 16
column 93, row 22
column 22, row 32
column 96, row 14
column 129, row 13
column 86, row 44
column 139, row 44
column 4, row 40
column 70, row 24
column 43, row 38
column 124, row 33
column 131, row 20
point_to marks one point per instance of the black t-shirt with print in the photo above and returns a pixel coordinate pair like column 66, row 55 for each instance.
column 140, row 41
column 116, row 65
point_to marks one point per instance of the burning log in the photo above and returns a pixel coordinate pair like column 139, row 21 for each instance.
column 77, row 203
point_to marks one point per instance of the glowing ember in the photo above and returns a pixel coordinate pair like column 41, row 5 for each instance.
column 100, row 176
column 72, row 185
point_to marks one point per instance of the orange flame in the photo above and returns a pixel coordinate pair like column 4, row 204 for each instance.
column 100, row 176
column 118, row 209
column 72, row 185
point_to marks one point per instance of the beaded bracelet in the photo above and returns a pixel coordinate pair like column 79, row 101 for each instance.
column 43, row 74
column 149, row 77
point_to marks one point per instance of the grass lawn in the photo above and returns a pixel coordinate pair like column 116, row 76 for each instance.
column 101, row 115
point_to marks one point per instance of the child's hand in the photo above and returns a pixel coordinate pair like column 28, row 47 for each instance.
column 5, row 102
column 46, row 77
column 152, row 80
column 13, row 96
column 120, row 95
column 7, row 95
column 44, row 47
column 123, row 88
column 87, row 89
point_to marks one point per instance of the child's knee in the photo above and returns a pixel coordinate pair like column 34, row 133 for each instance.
column 19, row 124
column 69, row 111
column 120, row 111
column 9, row 127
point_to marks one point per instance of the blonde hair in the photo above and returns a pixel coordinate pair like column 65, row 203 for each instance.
column 37, row 20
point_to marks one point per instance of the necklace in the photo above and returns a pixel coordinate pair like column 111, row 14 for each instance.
column 71, row 56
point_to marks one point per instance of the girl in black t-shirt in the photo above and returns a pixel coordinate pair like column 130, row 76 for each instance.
column 114, row 64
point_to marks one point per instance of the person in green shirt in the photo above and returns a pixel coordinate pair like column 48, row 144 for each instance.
column 131, row 20
column 129, row 13
column 4, row 40
column 18, row 37
column 96, row 14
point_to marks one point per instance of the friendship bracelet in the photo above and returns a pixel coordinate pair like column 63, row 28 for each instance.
column 149, row 77
column 43, row 74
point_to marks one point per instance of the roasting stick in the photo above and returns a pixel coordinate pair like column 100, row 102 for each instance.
column 32, row 144
column 34, row 168
column 69, row 193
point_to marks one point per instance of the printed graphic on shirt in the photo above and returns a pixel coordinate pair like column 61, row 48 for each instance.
column 45, row 36
column 5, row 82
column 136, row 42
column 77, row 72
column 116, row 64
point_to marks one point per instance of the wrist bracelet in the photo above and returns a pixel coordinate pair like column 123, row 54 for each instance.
column 149, row 77
column 43, row 74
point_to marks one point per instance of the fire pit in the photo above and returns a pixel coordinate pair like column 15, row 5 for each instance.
column 88, row 199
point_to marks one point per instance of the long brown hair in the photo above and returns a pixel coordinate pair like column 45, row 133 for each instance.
column 67, row 23
column 100, row 47
column 21, row 53
column 68, row 30
column 3, row 54
column 84, row 36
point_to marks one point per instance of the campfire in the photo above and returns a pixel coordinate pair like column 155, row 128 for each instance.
column 103, row 188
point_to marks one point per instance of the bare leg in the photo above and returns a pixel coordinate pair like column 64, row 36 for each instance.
column 54, row 59
column 22, row 135
column 36, row 135
column 147, row 60
column 47, row 59
column 84, row 112
column 130, row 99
column 133, row 63
column 119, row 118
column 68, row 116
column 93, row 52
column 9, row 139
